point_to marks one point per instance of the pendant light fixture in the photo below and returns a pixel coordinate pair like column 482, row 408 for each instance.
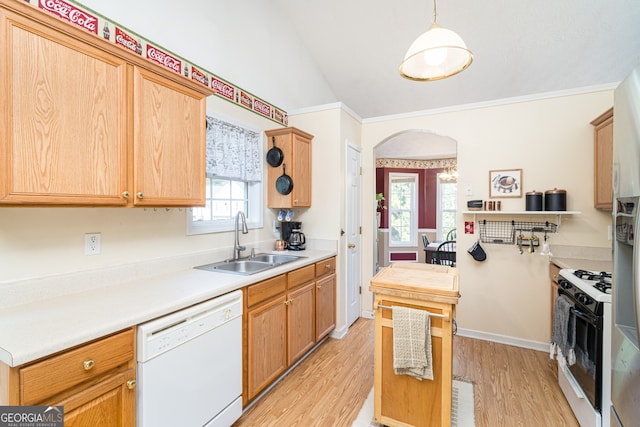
column 437, row 54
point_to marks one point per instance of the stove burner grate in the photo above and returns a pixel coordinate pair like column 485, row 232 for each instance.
column 603, row 286
column 591, row 275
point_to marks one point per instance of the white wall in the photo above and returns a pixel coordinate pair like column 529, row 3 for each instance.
column 245, row 42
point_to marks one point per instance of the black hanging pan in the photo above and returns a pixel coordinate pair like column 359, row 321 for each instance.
column 284, row 183
column 274, row 155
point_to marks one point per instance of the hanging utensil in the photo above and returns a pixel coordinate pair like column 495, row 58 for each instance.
column 284, row 183
column 275, row 156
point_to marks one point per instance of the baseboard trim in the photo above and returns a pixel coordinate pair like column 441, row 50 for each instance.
column 339, row 333
column 367, row 314
column 504, row 339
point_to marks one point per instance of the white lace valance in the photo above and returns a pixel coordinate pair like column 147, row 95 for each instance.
column 233, row 152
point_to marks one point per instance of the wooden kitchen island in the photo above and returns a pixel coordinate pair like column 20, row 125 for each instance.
column 402, row 400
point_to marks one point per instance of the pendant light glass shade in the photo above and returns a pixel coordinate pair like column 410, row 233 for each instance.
column 437, row 54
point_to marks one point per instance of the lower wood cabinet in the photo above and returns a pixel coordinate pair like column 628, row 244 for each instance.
column 325, row 306
column 94, row 382
column 284, row 318
column 300, row 322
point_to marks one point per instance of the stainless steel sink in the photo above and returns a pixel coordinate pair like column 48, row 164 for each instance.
column 248, row 266
column 274, row 258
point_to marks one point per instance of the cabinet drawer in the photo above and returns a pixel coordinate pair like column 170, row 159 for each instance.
column 264, row 290
column 58, row 373
column 326, row 266
column 301, row 275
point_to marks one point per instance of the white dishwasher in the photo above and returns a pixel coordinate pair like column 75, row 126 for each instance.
column 190, row 366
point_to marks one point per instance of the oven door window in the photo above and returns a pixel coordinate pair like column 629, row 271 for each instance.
column 588, row 349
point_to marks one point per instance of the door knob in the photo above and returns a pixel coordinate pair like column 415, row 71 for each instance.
column 351, row 245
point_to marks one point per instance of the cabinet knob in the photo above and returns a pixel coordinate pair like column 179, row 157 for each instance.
column 295, row 201
column 88, row 364
column 125, row 194
column 327, row 266
column 351, row 245
column 140, row 195
column 131, row 384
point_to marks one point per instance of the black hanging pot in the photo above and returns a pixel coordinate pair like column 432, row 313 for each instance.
column 275, row 155
column 284, row 183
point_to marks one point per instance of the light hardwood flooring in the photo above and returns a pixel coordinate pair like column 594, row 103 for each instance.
column 512, row 386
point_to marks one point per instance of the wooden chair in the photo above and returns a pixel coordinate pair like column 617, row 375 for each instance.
column 451, row 235
column 446, row 254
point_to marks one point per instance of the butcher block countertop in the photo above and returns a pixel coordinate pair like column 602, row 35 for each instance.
column 426, row 282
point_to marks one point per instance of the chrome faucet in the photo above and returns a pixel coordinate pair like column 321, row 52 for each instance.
column 237, row 248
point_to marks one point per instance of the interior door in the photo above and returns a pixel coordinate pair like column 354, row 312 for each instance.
column 353, row 234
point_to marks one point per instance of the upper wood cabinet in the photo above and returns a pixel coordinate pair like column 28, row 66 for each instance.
column 83, row 122
column 296, row 148
column 603, row 161
column 169, row 142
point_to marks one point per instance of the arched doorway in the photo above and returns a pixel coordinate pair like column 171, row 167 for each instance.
column 421, row 163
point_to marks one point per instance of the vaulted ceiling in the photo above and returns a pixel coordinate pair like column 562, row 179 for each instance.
column 520, row 48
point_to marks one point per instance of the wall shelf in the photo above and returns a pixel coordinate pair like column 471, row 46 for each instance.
column 503, row 231
column 557, row 214
column 521, row 212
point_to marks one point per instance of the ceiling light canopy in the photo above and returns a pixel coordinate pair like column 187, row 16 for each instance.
column 437, row 54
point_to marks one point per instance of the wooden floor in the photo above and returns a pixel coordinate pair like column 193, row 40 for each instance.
column 512, row 386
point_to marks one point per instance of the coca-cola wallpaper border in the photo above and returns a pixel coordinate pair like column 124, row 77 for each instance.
column 100, row 26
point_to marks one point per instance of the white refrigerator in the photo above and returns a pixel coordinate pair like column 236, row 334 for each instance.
column 625, row 351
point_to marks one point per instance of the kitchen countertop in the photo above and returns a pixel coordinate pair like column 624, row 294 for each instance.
column 585, row 258
column 584, row 264
column 40, row 327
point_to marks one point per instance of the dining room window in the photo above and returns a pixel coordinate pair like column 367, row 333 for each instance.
column 403, row 221
column 447, row 201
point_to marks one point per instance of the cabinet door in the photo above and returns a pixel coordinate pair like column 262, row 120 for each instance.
column 325, row 306
column 301, row 172
column 169, row 142
column 266, row 345
column 63, row 125
column 110, row 403
column 296, row 149
column 603, row 152
column 301, row 321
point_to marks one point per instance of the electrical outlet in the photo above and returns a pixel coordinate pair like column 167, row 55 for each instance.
column 92, row 243
column 468, row 191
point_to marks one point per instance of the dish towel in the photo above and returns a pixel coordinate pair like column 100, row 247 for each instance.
column 563, row 339
column 412, row 342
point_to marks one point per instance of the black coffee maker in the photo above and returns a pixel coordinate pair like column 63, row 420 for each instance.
column 291, row 233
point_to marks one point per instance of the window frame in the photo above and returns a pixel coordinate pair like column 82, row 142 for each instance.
column 439, row 234
column 255, row 196
column 255, row 200
column 413, row 211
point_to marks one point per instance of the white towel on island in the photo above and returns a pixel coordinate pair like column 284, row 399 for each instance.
column 412, row 342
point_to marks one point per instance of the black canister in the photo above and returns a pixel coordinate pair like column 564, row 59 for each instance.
column 534, row 200
column 555, row 200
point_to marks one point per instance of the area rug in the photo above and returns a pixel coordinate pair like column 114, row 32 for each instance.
column 462, row 409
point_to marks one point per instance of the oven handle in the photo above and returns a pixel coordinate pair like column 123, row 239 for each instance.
column 592, row 320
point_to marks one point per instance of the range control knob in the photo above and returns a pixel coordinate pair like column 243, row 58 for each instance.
column 583, row 298
column 564, row 284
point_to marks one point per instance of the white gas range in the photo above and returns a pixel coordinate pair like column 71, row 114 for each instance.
column 587, row 383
